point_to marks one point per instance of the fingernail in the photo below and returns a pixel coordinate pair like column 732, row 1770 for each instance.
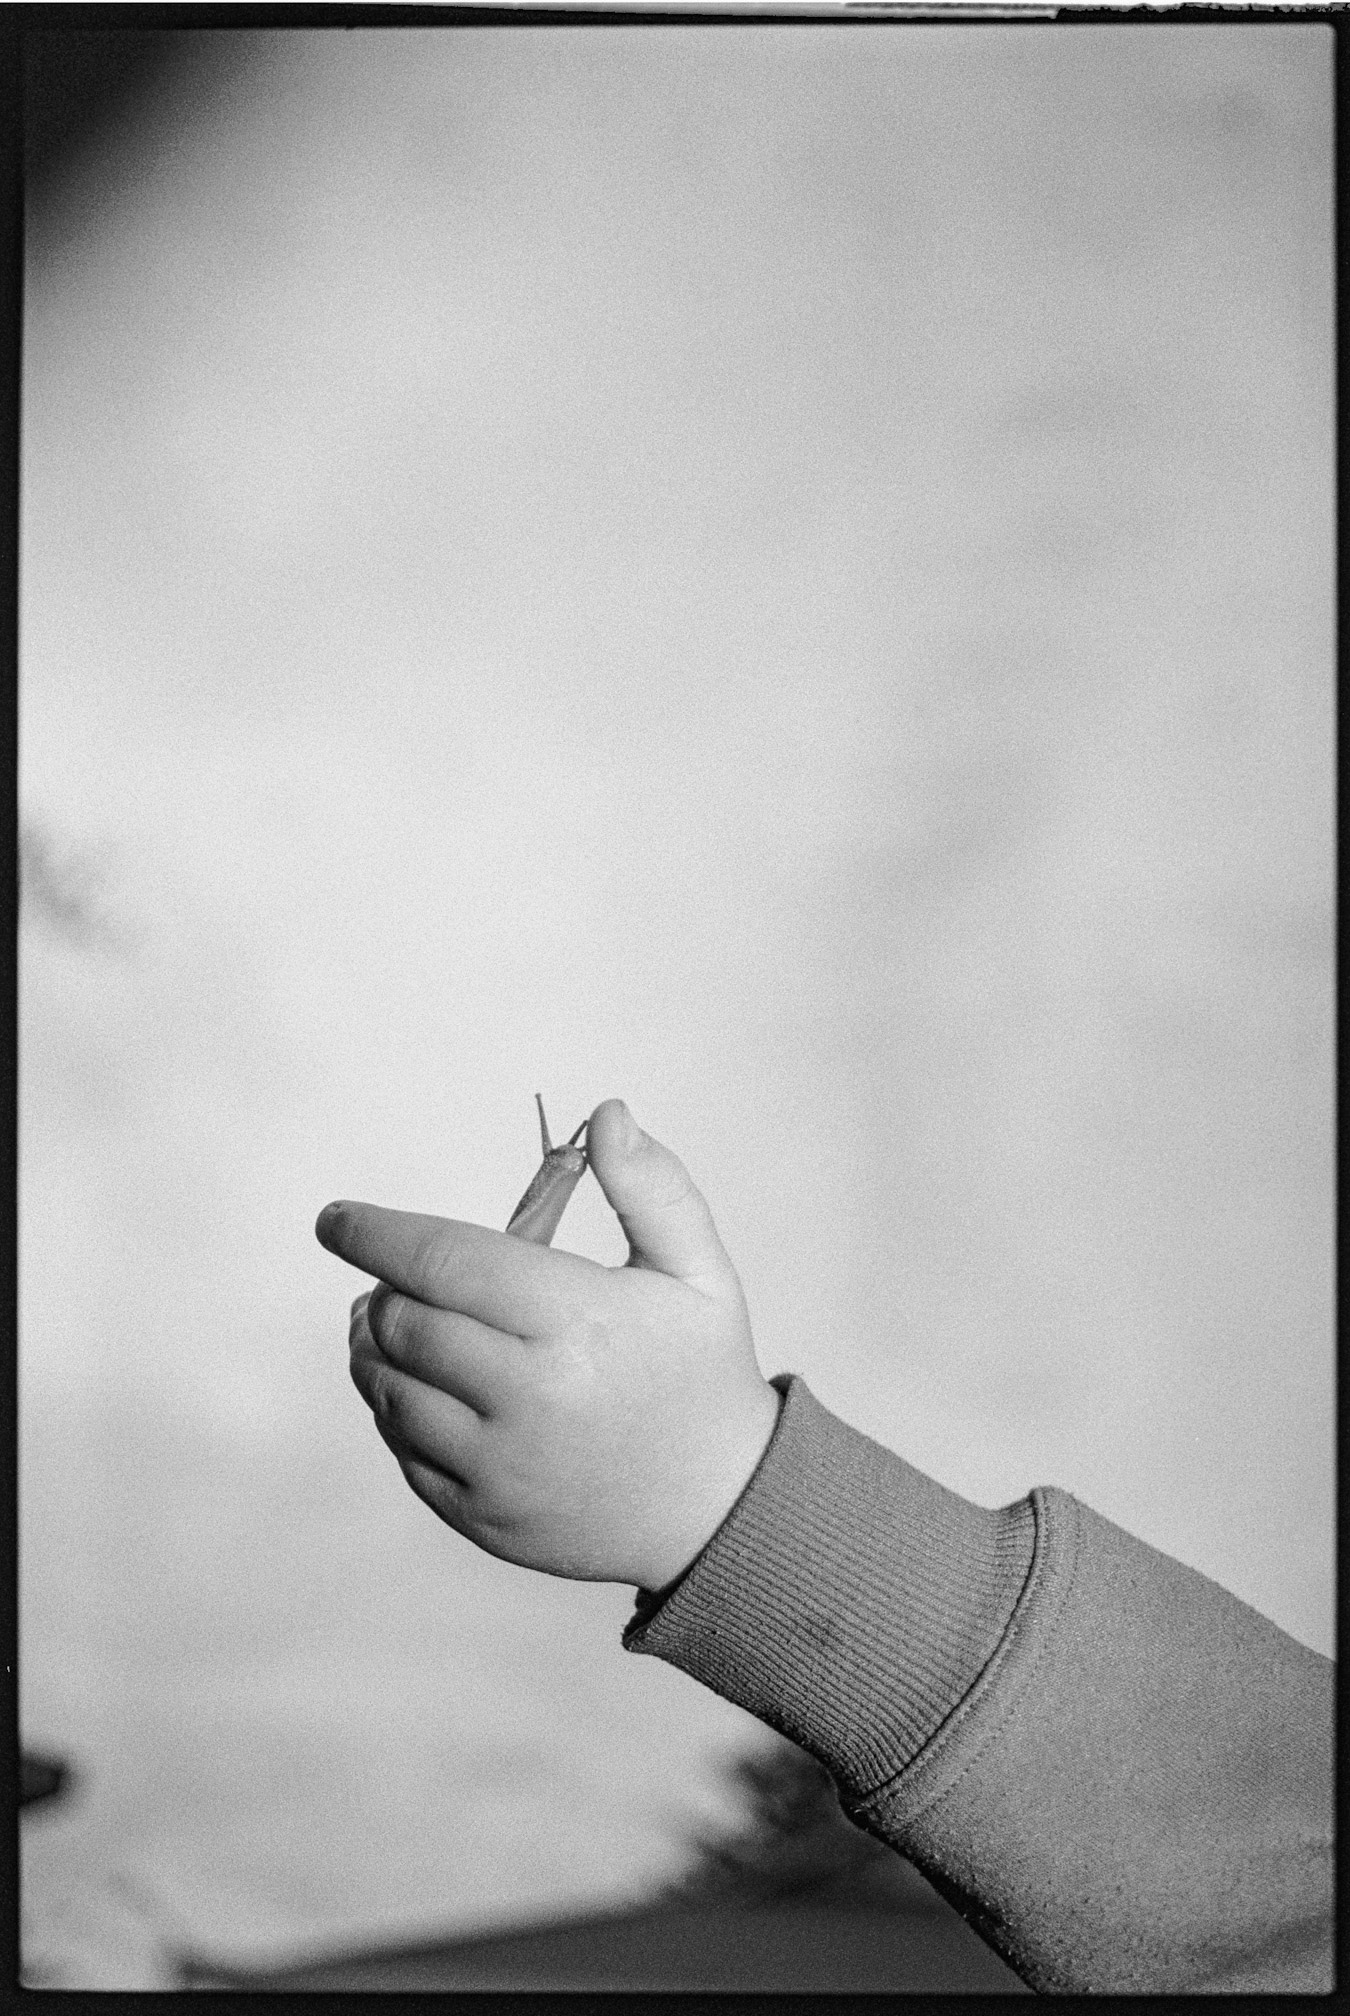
column 327, row 1222
column 632, row 1133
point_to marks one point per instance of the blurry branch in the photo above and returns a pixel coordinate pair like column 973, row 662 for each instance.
column 42, row 1777
column 62, row 889
column 794, row 1840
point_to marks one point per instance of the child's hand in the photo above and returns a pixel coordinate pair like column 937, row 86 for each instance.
column 596, row 1422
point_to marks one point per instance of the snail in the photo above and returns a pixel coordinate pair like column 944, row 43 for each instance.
column 536, row 1216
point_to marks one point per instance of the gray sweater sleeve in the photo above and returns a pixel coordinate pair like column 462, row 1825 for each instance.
column 1119, row 1773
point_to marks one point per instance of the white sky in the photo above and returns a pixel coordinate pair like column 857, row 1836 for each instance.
column 785, row 575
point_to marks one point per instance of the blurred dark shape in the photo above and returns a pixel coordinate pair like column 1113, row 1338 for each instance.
column 42, row 1778
column 794, row 1899
column 795, row 1842
column 81, row 83
column 61, row 886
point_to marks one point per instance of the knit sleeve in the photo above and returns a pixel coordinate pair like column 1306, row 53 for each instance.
column 1119, row 1773
column 847, row 1599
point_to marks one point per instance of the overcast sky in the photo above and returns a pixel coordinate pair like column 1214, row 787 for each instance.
column 782, row 574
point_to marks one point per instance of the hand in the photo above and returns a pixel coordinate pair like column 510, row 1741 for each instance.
column 594, row 1422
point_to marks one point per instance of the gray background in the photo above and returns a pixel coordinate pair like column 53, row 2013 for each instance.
column 783, row 574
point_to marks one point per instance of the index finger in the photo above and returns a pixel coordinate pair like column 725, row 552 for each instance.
column 507, row 1283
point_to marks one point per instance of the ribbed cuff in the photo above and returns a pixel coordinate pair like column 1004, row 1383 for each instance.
column 847, row 1600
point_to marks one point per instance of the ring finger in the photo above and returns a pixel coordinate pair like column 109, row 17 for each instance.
column 414, row 1418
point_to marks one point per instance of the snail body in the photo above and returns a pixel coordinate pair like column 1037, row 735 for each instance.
column 540, row 1210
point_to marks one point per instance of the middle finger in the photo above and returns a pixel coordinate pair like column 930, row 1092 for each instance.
column 454, row 1353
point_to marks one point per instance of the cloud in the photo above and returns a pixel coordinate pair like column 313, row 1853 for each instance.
column 63, row 890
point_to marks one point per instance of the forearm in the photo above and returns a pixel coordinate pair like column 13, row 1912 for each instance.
column 1120, row 1773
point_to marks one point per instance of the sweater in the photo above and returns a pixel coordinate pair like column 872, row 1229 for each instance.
column 1120, row 1774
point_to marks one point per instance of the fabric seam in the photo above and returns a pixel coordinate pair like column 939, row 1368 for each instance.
column 957, row 1723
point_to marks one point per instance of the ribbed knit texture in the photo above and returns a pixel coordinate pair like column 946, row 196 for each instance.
column 1119, row 1773
column 847, row 1600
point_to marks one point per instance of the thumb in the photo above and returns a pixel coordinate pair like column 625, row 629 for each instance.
column 669, row 1227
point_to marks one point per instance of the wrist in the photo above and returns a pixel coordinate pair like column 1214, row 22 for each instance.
column 713, row 1484
column 783, row 1616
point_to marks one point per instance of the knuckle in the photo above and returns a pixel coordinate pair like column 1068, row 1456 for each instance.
column 433, row 1264
column 675, row 1184
column 384, row 1402
column 385, row 1313
column 378, row 1387
column 359, row 1362
column 565, row 1377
